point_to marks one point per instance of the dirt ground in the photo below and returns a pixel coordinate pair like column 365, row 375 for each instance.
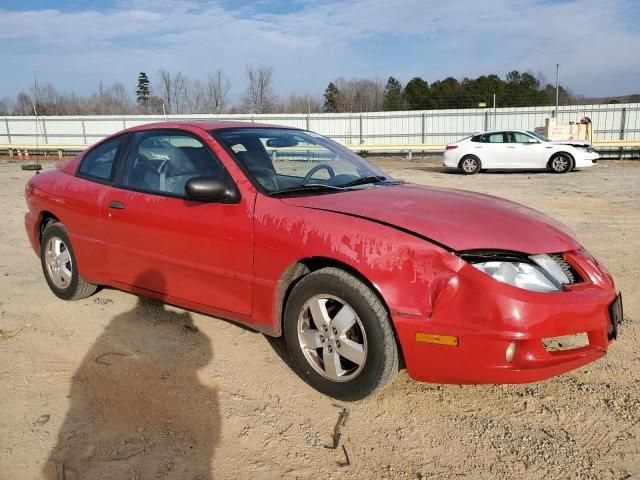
column 115, row 386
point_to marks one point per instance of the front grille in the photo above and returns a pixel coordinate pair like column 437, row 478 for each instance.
column 569, row 271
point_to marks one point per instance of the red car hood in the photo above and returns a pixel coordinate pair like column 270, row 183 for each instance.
column 457, row 219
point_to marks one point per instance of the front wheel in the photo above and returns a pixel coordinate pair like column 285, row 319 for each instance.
column 339, row 335
column 60, row 266
column 470, row 165
column 560, row 163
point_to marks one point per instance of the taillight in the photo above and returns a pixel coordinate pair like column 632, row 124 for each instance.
column 452, row 147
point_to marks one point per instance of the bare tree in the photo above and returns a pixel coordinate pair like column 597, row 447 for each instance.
column 155, row 105
column 172, row 90
column 359, row 95
column 5, row 106
column 300, row 104
column 120, row 94
column 166, row 88
column 180, row 92
column 218, row 88
column 113, row 100
column 195, row 96
column 24, row 104
column 259, row 96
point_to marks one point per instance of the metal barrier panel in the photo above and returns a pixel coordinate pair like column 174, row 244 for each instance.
column 610, row 122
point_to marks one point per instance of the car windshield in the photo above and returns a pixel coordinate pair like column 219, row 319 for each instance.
column 538, row 136
column 288, row 161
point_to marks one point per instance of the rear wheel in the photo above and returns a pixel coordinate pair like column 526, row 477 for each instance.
column 560, row 163
column 59, row 265
column 470, row 165
column 339, row 335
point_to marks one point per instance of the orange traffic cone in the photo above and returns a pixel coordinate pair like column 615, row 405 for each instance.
column 20, row 154
column 26, row 154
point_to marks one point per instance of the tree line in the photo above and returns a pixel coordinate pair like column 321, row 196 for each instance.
column 515, row 90
column 174, row 93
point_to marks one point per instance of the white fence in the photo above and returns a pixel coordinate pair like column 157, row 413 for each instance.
column 611, row 122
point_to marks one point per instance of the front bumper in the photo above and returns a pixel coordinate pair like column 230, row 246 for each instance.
column 487, row 316
column 587, row 159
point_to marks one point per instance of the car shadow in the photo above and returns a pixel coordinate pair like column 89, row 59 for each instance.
column 432, row 169
column 279, row 346
column 137, row 408
column 453, row 171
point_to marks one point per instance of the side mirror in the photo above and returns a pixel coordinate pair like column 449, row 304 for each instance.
column 211, row 189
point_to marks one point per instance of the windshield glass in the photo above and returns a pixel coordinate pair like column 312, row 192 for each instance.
column 538, row 136
column 286, row 159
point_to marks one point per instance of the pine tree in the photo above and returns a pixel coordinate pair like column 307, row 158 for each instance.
column 143, row 92
column 331, row 95
column 417, row 94
column 392, row 95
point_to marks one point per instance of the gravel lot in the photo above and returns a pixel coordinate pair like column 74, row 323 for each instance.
column 116, row 387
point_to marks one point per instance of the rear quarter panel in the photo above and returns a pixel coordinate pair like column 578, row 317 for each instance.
column 76, row 203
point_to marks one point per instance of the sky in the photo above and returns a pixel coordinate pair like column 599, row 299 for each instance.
column 74, row 44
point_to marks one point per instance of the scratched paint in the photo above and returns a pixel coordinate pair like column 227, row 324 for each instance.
column 409, row 272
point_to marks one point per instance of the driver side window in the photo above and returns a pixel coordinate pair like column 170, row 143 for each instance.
column 164, row 161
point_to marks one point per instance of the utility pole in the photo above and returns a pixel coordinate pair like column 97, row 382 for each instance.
column 495, row 113
column 557, row 87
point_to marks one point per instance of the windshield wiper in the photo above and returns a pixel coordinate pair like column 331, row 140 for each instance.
column 309, row 187
column 365, row 180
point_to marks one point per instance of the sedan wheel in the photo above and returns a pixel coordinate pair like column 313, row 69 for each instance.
column 59, row 265
column 332, row 338
column 58, row 262
column 470, row 165
column 339, row 335
column 560, row 163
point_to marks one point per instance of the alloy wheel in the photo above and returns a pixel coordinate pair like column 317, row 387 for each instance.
column 58, row 262
column 332, row 338
column 560, row 163
column 469, row 165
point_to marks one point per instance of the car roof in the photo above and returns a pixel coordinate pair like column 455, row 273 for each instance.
column 501, row 131
column 205, row 125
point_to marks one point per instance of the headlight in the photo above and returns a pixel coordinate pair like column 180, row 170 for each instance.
column 522, row 275
column 538, row 273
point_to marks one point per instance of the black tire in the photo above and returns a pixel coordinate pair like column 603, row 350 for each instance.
column 470, row 165
column 76, row 288
column 380, row 365
column 560, row 163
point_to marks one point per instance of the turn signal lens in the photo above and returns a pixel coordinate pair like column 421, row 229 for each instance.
column 437, row 339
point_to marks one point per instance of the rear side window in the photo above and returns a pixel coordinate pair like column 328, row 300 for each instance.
column 99, row 163
column 491, row 138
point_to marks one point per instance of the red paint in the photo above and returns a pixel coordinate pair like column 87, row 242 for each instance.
column 459, row 219
column 229, row 260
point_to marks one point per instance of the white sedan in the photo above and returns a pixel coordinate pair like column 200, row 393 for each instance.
column 517, row 149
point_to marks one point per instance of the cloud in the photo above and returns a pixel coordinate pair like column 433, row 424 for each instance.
column 310, row 43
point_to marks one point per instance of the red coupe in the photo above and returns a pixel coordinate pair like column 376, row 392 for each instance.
column 291, row 234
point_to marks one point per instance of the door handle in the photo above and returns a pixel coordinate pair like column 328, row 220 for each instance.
column 117, row 205
column 511, row 147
